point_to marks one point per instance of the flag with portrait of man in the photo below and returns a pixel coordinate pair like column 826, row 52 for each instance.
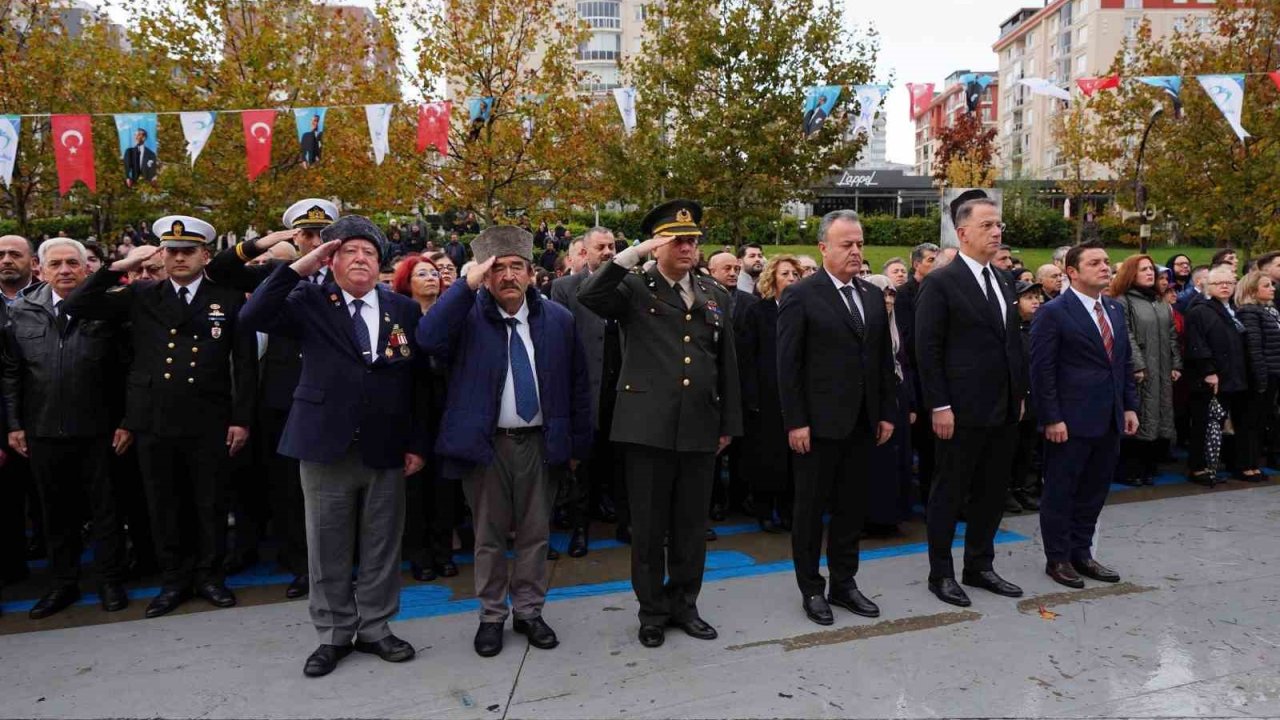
column 819, row 103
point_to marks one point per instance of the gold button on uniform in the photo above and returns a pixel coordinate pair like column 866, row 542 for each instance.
column 688, row 317
column 653, row 310
column 688, row 361
column 191, row 380
column 170, row 346
column 193, row 364
column 167, row 376
column 686, row 338
column 195, row 349
column 686, row 382
column 173, row 331
column 626, row 387
column 169, row 360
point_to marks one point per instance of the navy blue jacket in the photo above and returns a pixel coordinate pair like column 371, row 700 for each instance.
column 1072, row 379
column 465, row 332
column 340, row 397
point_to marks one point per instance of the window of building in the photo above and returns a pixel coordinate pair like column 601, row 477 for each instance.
column 1179, row 24
column 601, row 13
column 1081, row 64
column 1031, row 40
column 1082, row 35
column 1131, row 26
column 1132, row 4
column 642, row 13
column 601, row 46
column 1028, row 118
column 1204, row 25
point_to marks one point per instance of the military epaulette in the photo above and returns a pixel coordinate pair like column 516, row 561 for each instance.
column 118, row 288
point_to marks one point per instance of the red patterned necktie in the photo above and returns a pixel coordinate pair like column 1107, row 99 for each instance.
column 1107, row 340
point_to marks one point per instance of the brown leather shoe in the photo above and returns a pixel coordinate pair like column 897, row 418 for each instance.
column 1091, row 568
column 1063, row 574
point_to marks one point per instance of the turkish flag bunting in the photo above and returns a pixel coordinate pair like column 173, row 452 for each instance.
column 1091, row 85
column 73, row 151
column 258, row 131
column 1275, row 77
column 433, row 125
column 921, row 96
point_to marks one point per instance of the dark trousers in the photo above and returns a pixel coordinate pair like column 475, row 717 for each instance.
column 287, row 506
column 669, row 492
column 923, row 441
column 1250, row 441
column 593, row 482
column 973, row 473
column 131, row 506
column 72, row 476
column 1077, row 477
column 833, row 474
column 186, row 488
column 1029, row 438
column 15, row 486
column 431, row 513
column 1198, row 407
column 1141, row 458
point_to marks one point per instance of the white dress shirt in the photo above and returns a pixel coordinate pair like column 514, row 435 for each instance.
column 191, row 289
column 507, row 415
column 976, row 269
column 857, row 296
column 368, row 313
column 1088, row 304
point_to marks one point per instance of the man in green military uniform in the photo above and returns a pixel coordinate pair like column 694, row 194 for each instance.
column 678, row 406
column 189, row 399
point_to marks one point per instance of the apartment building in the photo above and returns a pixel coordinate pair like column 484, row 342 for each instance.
column 948, row 105
column 1062, row 41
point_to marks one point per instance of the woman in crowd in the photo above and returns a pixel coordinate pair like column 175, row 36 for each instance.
column 1157, row 365
column 448, row 271
column 1181, row 386
column 889, row 500
column 1180, row 268
column 1024, row 275
column 430, row 501
column 1255, row 307
column 766, row 457
column 896, row 270
column 1216, row 362
column 1024, row 487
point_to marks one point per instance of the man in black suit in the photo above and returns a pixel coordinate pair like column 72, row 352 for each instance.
column 139, row 160
column 923, row 257
column 725, row 268
column 312, row 142
column 835, row 375
column 973, row 372
column 597, row 483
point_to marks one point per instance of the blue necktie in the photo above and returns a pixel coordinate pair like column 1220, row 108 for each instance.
column 361, row 330
column 522, row 376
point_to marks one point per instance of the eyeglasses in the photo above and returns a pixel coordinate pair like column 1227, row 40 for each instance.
column 426, row 274
column 989, row 225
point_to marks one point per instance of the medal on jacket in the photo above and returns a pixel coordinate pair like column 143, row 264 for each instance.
column 397, row 340
column 216, row 332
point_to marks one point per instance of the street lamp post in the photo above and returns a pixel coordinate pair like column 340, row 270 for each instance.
column 1139, row 194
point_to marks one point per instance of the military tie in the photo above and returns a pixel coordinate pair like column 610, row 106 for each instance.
column 993, row 300
column 361, row 330
column 522, row 376
column 184, row 294
column 858, row 325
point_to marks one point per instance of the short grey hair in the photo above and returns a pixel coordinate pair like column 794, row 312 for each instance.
column 597, row 230
column 917, row 252
column 1061, row 253
column 47, row 245
column 967, row 207
column 892, row 261
column 831, row 218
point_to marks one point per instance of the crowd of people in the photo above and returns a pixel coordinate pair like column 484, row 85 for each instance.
column 360, row 402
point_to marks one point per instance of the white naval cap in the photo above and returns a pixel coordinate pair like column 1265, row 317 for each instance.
column 180, row 231
column 312, row 213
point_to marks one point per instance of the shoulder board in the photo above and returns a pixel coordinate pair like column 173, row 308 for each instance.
column 118, row 288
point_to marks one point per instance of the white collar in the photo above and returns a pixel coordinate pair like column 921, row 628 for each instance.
column 193, row 288
column 370, row 298
column 521, row 314
column 974, row 266
column 839, row 284
column 53, row 295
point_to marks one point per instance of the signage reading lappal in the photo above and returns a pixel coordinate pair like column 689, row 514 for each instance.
column 858, row 179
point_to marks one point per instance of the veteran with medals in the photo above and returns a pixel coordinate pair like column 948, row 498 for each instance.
column 678, row 406
column 189, row 399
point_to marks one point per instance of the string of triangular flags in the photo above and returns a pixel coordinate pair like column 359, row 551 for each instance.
column 1225, row 90
column 137, row 133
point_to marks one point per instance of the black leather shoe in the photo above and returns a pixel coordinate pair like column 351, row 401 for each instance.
column 623, row 535
column 1093, row 569
column 217, row 593
column 112, row 597
column 538, row 631
column 447, row 569
column 325, row 659
column 1028, row 503
column 949, row 591
column 489, row 639
column 578, row 543
column 989, row 580
column 1063, row 574
column 552, row 553
column 695, row 627
column 389, row 648
column 816, row 607
column 166, row 602
column 652, row 636
column 717, row 513
column 422, row 574
column 299, row 587
column 55, row 601
column 852, row 599
column 711, row 534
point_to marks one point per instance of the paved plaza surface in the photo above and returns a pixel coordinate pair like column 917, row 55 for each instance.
column 1191, row 631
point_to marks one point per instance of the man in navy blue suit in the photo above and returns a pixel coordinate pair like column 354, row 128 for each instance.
column 1082, row 384
column 358, row 426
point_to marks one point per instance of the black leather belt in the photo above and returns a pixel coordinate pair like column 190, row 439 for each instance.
column 517, row 432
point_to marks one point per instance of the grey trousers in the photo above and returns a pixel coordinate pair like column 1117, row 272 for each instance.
column 343, row 499
column 514, row 491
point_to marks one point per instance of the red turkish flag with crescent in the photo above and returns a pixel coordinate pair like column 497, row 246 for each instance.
column 73, row 151
column 433, row 125
column 921, row 96
column 258, row 131
column 1091, row 85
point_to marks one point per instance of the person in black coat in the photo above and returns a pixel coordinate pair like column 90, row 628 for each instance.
column 725, row 267
column 890, row 499
column 839, row 399
column 1024, row 487
column 1255, row 302
column 1216, row 364
column 973, row 372
column 768, row 459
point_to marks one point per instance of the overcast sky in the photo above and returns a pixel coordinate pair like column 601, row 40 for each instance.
column 924, row 41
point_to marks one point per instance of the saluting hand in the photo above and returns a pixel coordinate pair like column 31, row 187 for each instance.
column 135, row 258
column 310, row 264
column 648, row 246
column 275, row 238
column 237, row 436
column 478, row 272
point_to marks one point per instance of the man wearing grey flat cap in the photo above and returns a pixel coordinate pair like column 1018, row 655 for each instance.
column 519, row 403
column 358, row 427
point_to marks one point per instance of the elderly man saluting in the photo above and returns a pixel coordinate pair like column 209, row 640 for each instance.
column 358, row 426
column 519, row 403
